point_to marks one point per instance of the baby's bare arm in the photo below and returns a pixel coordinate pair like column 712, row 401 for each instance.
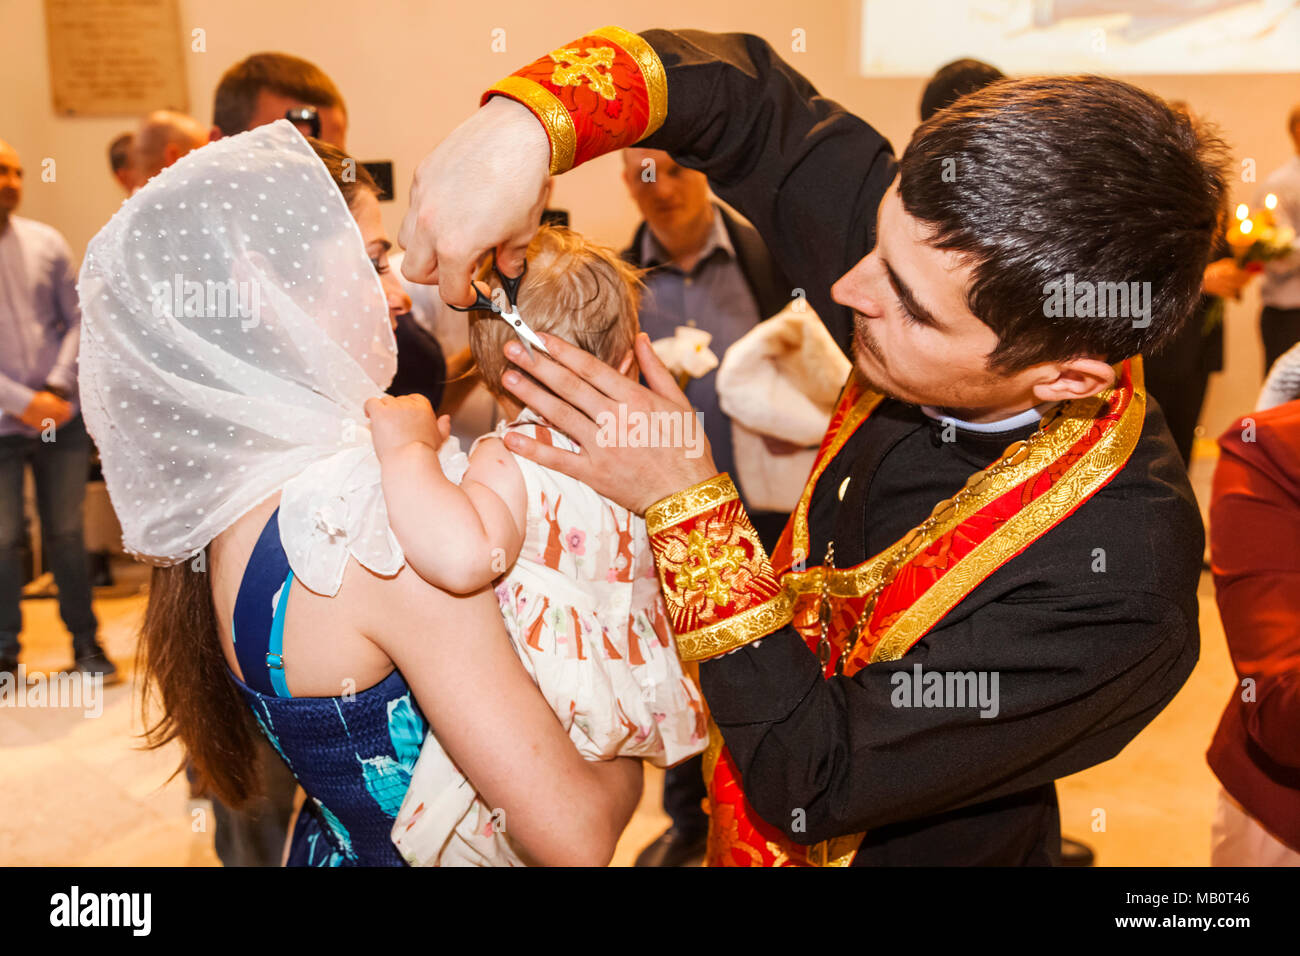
column 458, row 538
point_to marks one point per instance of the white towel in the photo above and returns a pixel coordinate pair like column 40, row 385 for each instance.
column 781, row 381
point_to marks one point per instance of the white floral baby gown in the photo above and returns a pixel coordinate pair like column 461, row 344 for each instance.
column 583, row 608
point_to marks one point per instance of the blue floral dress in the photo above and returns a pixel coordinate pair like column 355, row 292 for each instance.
column 352, row 755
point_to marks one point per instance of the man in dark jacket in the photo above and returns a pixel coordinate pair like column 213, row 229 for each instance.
column 995, row 500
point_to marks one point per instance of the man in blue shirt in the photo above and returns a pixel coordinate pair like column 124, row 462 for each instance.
column 40, row 422
column 708, row 270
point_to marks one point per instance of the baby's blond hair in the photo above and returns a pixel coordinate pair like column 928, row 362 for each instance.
column 574, row 289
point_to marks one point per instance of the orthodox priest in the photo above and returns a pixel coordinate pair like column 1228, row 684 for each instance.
column 990, row 579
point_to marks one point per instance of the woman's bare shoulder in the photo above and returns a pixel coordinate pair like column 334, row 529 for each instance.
column 325, row 636
column 387, row 608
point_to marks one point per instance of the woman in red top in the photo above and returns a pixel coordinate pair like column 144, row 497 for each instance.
column 1255, row 550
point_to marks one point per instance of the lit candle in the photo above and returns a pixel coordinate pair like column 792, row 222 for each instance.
column 1270, row 201
column 1242, row 211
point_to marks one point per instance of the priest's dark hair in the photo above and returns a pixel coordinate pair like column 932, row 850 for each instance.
column 1041, row 179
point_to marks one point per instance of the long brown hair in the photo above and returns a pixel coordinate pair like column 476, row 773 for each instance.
column 182, row 665
column 179, row 650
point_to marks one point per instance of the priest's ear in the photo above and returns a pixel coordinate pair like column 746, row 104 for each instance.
column 1072, row 379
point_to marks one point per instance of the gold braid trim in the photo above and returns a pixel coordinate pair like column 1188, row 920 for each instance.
column 864, row 405
column 652, row 72
column 837, row 851
column 736, row 631
column 1080, row 482
column 861, row 579
column 550, row 112
column 688, row 503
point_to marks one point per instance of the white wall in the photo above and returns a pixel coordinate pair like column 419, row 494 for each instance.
column 410, row 70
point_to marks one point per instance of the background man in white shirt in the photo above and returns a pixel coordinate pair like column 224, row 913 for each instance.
column 40, row 422
column 1279, row 323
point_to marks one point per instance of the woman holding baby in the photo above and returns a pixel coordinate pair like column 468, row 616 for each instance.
column 411, row 615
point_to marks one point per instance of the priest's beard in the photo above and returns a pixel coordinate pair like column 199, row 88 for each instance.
column 863, row 341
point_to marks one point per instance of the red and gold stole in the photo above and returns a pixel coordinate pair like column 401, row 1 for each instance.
column 1082, row 450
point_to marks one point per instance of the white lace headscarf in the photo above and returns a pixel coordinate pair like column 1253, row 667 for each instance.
column 233, row 327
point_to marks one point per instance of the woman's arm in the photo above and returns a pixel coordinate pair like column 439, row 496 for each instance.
column 492, row 720
column 457, row 537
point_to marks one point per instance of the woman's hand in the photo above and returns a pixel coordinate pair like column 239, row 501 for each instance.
column 398, row 420
column 1225, row 278
column 638, row 444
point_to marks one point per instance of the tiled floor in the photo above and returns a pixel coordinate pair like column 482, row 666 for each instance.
column 75, row 790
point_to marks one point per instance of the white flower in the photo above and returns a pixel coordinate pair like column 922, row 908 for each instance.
column 327, row 518
column 687, row 351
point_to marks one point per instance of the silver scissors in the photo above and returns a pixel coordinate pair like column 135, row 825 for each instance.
column 511, row 289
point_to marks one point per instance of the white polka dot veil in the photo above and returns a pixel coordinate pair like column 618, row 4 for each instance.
column 233, row 327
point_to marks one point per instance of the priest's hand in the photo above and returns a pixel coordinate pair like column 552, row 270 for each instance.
column 638, row 444
column 482, row 189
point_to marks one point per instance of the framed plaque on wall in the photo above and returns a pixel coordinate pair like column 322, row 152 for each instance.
column 115, row 57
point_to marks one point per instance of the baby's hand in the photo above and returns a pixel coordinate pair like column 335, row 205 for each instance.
column 397, row 420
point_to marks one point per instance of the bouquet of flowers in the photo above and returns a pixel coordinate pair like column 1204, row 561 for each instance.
column 1255, row 237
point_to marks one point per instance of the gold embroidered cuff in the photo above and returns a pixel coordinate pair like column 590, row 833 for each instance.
column 653, row 74
column 735, row 632
column 605, row 90
column 696, row 499
column 719, row 587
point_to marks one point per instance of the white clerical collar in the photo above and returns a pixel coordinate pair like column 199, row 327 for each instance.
column 1029, row 416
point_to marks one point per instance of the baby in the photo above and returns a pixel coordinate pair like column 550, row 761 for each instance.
column 574, row 573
